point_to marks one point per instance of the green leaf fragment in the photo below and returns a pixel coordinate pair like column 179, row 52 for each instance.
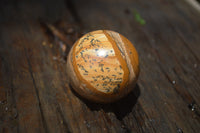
column 138, row 18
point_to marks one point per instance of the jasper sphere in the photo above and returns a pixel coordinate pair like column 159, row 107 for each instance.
column 103, row 66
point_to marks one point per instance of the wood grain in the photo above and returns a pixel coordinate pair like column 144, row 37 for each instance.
column 34, row 92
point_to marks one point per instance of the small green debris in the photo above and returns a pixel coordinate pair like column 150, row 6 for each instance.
column 138, row 18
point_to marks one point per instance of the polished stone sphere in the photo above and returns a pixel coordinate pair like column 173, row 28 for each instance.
column 103, row 66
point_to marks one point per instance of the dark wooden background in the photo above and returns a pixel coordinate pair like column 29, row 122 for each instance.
column 34, row 91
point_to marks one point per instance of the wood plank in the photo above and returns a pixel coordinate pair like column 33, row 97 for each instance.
column 18, row 46
column 35, row 95
column 167, row 61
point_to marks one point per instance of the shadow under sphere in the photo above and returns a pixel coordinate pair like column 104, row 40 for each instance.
column 120, row 108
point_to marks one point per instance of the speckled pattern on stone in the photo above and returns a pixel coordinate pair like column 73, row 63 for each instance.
column 101, row 62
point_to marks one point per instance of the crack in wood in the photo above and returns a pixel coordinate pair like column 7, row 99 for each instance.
column 36, row 90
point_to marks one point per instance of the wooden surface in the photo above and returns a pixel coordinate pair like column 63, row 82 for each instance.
column 34, row 92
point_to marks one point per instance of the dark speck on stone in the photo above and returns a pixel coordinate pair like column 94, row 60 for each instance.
column 116, row 89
